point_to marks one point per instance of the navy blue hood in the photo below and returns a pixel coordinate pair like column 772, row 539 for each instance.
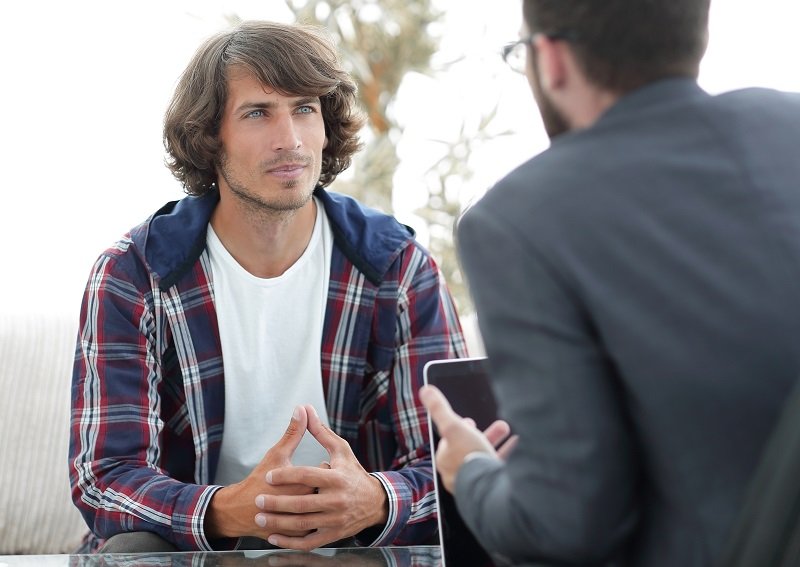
column 173, row 239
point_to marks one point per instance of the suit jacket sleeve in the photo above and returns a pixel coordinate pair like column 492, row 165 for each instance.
column 568, row 491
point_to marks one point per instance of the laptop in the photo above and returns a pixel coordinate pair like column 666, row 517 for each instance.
column 465, row 383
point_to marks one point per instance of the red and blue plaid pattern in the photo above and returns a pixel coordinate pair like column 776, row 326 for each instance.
column 148, row 383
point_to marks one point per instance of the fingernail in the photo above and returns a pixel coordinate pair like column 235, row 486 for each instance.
column 261, row 520
column 260, row 501
column 273, row 540
column 269, row 477
column 296, row 414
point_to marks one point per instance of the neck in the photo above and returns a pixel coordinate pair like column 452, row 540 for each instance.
column 589, row 105
column 265, row 243
column 563, row 82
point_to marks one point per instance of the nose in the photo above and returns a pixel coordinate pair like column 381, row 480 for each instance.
column 285, row 135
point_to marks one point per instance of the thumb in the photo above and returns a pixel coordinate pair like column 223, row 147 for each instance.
column 294, row 432
column 439, row 409
column 324, row 435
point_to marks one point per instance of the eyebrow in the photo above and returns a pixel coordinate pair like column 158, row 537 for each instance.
column 301, row 101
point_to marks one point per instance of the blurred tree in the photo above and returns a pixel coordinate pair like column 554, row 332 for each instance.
column 380, row 41
column 446, row 182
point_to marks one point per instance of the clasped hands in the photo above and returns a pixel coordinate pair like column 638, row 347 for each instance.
column 300, row 507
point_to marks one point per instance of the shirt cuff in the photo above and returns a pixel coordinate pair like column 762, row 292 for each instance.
column 366, row 537
column 203, row 542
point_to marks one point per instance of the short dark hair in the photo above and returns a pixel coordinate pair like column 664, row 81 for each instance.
column 295, row 60
column 624, row 44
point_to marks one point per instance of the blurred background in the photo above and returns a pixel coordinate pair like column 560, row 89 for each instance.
column 86, row 83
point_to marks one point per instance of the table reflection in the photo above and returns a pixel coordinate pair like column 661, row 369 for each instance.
column 419, row 556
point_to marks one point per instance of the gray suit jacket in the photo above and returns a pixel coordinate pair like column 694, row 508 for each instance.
column 638, row 291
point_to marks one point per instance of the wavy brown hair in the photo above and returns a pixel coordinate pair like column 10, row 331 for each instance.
column 295, row 60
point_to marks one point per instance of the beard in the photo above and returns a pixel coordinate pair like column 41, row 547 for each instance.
column 287, row 201
column 554, row 122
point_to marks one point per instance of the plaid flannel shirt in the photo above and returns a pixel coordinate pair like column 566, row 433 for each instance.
column 148, row 383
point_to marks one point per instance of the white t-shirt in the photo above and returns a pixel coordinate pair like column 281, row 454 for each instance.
column 271, row 334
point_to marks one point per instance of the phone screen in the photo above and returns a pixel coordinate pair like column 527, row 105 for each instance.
column 465, row 383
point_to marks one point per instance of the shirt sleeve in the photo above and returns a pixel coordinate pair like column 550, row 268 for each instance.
column 427, row 328
column 114, row 452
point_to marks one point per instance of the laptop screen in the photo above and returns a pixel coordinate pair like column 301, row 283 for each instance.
column 465, row 383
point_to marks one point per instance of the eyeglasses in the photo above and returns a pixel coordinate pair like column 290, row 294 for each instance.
column 514, row 53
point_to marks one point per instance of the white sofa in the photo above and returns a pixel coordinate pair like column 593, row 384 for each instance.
column 36, row 512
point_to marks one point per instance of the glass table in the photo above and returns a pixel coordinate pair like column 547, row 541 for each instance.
column 417, row 556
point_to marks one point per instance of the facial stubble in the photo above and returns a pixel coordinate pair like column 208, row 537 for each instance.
column 259, row 205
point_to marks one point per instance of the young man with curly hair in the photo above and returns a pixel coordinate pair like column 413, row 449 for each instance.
column 260, row 299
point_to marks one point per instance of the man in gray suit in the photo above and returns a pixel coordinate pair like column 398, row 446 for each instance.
column 638, row 292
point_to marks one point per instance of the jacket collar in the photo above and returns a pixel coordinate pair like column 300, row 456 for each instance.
column 664, row 91
column 175, row 236
column 674, row 90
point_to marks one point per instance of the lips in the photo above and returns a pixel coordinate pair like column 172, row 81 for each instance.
column 287, row 170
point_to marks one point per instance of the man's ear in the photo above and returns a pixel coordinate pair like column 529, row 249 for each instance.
column 551, row 62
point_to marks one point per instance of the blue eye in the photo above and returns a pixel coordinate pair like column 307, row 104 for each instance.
column 306, row 109
column 255, row 114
